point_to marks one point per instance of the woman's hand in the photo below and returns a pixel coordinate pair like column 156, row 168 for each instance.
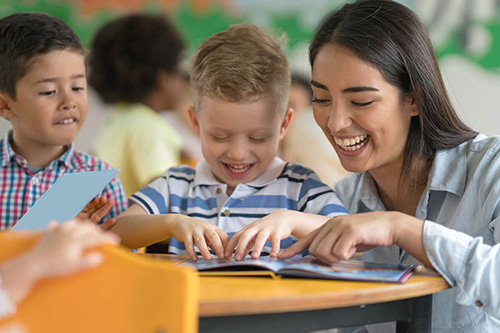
column 341, row 237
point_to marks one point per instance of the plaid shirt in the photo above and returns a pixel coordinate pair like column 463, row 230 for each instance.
column 20, row 187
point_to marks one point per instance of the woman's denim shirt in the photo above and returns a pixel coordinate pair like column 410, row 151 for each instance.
column 461, row 208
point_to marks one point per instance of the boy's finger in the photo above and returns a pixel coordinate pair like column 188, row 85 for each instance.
column 216, row 244
column 91, row 204
column 106, row 225
column 243, row 243
column 298, row 247
column 202, row 246
column 229, row 248
column 188, row 243
column 275, row 246
column 100, row 212
column 259, row 244
column 223, row 237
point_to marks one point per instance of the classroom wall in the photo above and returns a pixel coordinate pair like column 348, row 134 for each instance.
column 466, row 35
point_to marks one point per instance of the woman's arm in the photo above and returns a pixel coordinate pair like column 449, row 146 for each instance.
column 464, row 261
column 341, row 237
column 467, row 264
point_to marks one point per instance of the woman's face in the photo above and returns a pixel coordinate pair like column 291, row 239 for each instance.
column 365, row 118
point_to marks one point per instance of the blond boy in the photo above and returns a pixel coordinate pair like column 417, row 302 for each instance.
column 241, row 195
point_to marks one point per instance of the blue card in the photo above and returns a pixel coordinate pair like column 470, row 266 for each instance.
column 65, row 199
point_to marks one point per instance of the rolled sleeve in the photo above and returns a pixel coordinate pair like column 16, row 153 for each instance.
column 467, row 264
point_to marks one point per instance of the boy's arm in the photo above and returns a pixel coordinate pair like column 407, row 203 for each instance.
column 137, row 229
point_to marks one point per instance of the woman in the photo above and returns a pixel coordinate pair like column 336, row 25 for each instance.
column 427, row 184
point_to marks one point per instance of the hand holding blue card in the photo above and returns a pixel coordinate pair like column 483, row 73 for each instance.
column 65, row 199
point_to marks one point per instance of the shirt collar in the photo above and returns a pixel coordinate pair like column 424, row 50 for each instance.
column 68, row 155
column 7, row 153
column 368, row 193
column 440, row 177
column 204, row 175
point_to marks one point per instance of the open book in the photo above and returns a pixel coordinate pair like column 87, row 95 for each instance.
column 307, row 267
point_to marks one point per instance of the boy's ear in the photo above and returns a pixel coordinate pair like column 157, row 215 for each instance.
column 5, row 110
column 194, row 120
column 287, row 119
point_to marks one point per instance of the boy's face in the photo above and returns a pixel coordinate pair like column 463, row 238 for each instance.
column 51, row 101
column 239, row 140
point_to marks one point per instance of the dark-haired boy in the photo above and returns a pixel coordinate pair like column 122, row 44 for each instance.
column 43, row 93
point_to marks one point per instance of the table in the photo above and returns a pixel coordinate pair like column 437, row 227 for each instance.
column 262, row 304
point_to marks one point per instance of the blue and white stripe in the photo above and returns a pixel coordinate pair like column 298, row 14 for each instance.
column 196, row 193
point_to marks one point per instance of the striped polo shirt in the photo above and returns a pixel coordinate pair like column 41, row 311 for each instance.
column 20, row 187
column 196, row 193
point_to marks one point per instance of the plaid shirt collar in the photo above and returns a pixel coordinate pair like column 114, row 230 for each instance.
column 69, row 159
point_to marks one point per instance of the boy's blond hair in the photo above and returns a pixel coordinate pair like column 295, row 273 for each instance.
column 241, row 64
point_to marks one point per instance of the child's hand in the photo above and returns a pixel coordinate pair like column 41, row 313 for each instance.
column 273, row 227
column 190, row 231
column 96, row 209
column 63, row 249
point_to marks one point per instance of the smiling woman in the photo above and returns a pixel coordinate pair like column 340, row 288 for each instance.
column 426, row 183
column 359, row 104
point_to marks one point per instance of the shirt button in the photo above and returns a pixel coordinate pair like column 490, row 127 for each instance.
column 63, row 168
column 218, row 191
column 35, row 180
column 227, row 212
column 479, row 303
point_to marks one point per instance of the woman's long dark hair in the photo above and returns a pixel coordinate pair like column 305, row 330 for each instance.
column 390, row 36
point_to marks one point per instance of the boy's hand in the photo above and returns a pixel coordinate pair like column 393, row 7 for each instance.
column 96, row 209
column 193, row 231
column 273, row 227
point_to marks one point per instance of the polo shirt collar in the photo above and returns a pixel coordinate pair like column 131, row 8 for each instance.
column 205, row 177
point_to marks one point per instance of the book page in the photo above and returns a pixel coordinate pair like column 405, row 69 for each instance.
column 355, row 270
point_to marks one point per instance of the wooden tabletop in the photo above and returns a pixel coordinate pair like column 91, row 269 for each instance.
column 220, row 296
column 223, row 296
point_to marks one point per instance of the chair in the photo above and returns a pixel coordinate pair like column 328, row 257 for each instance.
column 129, row 292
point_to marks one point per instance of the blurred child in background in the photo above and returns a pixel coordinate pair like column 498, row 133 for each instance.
column 134, row 65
